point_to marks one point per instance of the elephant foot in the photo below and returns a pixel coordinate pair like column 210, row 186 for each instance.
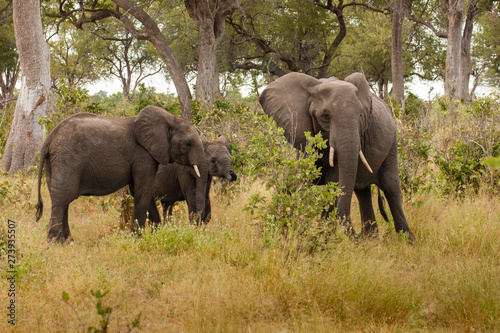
column 370, row 230
column 350, row 232
column 411, row 238
column 58, row 237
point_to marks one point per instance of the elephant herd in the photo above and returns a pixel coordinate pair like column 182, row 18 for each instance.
column 162, row 157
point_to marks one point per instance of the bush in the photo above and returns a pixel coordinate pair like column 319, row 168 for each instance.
column 415, row 151
column 71, row 100
column 444, row 148
column 296, row 205
column 147, row 96
column 461, row 161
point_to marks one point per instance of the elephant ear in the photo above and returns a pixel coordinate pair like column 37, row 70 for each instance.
column 152, row 129
column 364, row 94
column 286, row 100
column 222, row 140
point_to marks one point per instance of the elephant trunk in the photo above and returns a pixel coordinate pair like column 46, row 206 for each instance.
column 201, row 189
column 346, row 146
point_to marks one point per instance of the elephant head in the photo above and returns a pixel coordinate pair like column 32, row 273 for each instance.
column 218, row 155
column 356, row 124
column 172, row 139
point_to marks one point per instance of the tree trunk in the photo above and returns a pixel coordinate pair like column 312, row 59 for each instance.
column 465, row 58
column 27, row 135
column 398, row 88
column 454, row 49
column 207, row 82
column 209, row 16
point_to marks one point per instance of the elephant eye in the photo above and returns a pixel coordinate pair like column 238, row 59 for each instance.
column 189, row 144
column 326, row 116
column 213, row 161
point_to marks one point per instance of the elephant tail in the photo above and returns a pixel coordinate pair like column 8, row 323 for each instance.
column 381, row 206
column 39, row 204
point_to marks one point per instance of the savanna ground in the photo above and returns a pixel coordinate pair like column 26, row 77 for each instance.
column 239, row 274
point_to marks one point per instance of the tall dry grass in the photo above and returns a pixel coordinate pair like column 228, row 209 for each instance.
column 224, row 278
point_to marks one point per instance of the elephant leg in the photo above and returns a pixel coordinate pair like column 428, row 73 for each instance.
column 61, row 197
column 143, row 187
column 368, row 222
column 389, row 184
column 208, row 211
column 154, row 215
column 193, row 217
column 58, row 225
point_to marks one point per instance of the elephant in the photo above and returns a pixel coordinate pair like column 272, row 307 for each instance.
column 175, row 182
column 88, row 154
column 361, row 134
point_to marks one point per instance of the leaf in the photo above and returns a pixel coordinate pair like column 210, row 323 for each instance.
column 65, row 296
column 492, row 162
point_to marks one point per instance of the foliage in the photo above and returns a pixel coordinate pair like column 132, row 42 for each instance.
column 447, row 149
column 71, row 99
column 487, row 47
column 5, row 124
column 103, row 311
column 76, row 55
column 492, row 162
column 461, row 162
column 298, row 31
column 414, row 158
column 16, row 191
column 295, row 203
column 148, row 96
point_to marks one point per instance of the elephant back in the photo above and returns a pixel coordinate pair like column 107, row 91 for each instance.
column 286, row 100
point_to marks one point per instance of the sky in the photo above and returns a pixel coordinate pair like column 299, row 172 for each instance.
column 423, row 89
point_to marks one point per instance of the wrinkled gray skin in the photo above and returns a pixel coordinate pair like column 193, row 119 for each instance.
column 175, row 182
column 87, row 154
column 352, row 119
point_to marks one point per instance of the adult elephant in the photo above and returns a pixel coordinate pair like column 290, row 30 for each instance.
column 88, row 154
column 361, row 138
column 175, row 182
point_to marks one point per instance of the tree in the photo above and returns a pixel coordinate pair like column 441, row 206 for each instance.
column 129, row 14
column 487, row 49
column 129, row 59
column 455, row 12
column 9, row 65
column 293, row 35
column 287, row 36
column 74, row 56
column 398, row 14
column 457, row 66
column 27, row 135
column 209, row 16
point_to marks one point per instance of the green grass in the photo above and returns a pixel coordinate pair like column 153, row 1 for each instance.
column 226, row 278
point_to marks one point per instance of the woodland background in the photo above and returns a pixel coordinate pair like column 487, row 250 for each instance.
column 239, row 273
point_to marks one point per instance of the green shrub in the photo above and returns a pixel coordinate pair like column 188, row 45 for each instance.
column 461, row 165
column 145, row 96
column 296, row 205
column 103, row 311
column 70, row 100
column 414, row 158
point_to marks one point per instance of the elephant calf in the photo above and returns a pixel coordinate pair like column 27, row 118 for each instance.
column 87, row 154
column 175, row 182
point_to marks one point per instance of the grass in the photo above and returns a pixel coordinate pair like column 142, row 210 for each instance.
column 225, row 277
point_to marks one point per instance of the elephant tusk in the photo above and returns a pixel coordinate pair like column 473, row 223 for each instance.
column 363, row 159
column 332, row 151
column 196, row 170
